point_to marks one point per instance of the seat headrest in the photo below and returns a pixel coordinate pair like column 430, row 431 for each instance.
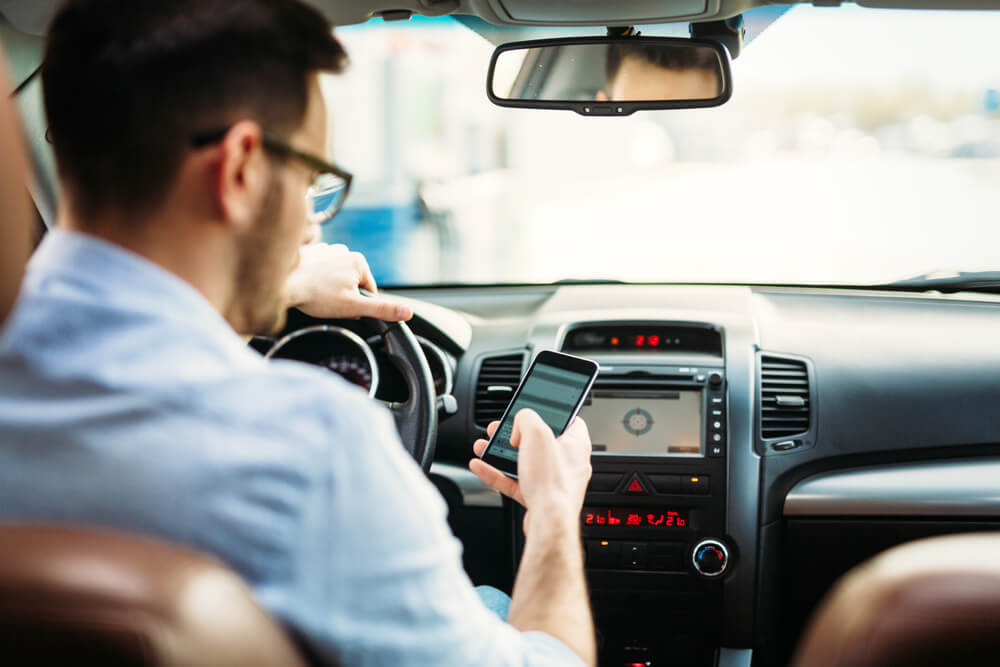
column 73, row 595
column 931, row 602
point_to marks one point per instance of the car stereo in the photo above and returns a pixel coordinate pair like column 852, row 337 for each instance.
column 653, row 523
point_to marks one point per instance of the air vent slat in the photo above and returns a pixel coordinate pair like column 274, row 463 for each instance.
column 788, row 378
column 494, row 373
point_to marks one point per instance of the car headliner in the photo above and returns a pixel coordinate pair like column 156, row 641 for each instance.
column 33, row 17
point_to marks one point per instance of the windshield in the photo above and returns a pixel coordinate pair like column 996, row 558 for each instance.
column 860, row 146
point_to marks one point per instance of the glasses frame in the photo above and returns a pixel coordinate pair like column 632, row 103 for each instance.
column 279, row 147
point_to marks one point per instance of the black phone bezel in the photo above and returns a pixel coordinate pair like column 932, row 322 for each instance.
column 555, row 359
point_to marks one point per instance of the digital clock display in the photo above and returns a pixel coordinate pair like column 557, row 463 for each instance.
column 636, row 517
column 644, row 338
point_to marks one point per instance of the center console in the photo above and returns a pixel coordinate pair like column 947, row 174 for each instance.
column 654, row 519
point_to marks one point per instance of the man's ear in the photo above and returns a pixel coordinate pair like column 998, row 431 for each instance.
column 241, row 179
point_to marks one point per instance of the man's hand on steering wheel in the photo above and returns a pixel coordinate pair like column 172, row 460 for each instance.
column 326, row 284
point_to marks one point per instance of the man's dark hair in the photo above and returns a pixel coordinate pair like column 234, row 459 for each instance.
column 128, row 83
column 668, row 58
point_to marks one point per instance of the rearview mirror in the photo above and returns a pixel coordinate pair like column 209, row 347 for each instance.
column 601, row 76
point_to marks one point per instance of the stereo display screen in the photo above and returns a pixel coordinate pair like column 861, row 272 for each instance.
column 645, row 421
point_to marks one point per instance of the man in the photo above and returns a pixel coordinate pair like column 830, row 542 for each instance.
column 186, row 135
column 644, row 73
column 324, row 284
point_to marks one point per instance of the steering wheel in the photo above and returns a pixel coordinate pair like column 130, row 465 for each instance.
column 416, row 419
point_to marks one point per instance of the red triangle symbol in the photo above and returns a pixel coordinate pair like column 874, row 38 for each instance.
column 635, row 487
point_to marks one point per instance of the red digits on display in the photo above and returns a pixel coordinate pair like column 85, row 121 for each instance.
column 618, row 516
column 654, row 341
column 640, row 341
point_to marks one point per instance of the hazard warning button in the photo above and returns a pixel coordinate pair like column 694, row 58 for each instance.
column 634, row 487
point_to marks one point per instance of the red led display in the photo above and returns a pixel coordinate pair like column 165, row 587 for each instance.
column 644, row 338
column 642, row 518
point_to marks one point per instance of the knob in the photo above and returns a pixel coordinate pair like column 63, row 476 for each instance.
column 710, row 558
column 715, row 379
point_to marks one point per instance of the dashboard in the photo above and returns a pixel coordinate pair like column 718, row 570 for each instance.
column 750, row 444
column 355, row 351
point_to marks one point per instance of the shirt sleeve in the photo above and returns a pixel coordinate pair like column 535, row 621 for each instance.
column 391, row 588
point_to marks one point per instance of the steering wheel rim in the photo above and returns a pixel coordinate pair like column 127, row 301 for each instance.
column 416, row 418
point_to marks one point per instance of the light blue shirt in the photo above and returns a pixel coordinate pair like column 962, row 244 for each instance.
column 127, row 401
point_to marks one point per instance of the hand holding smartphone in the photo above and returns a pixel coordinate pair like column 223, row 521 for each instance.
column 555, row 387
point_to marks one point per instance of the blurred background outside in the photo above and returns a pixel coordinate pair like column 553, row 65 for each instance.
column 860, row 146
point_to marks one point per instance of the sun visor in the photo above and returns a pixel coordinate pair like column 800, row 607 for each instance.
column 602, row 12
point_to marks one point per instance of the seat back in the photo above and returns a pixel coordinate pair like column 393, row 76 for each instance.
column 73, row 595
column 933, row 602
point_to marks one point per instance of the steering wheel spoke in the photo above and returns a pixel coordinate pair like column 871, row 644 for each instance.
column 416, row 418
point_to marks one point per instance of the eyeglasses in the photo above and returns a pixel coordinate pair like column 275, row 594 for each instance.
column 324, row 198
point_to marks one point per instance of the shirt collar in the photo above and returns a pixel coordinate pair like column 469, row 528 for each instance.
column 125, row 279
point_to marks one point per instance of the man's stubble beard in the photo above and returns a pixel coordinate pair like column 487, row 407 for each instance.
column 260, row 306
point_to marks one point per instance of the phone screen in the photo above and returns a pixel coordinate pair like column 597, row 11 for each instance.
column 554, row 393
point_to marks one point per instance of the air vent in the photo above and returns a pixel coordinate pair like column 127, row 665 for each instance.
column 784, row 397
column 498, row 378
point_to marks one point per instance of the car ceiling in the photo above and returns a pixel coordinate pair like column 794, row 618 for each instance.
column 33, row 17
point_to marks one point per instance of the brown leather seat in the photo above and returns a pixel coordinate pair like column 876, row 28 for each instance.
column 930, row 602
column 73, row 595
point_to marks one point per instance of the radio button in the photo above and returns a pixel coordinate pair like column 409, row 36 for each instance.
column 602, row 553
column 666, row 483
column 716, row 451
column 605, row 482
column 634, row 555
column 635, row 487
column 694, row 484
column 715, row 379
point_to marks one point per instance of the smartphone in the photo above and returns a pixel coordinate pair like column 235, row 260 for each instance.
column 555, row 387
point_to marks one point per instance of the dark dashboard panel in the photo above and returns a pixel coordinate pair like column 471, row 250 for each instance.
column 529, row 319
column 894, row 375
column 897, row 378
column 885, row 378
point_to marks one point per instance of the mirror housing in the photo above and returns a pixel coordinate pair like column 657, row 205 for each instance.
column 610, row 76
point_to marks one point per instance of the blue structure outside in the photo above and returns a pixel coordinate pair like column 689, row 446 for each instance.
column 378, row 232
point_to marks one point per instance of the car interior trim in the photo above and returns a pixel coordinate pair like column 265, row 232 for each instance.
column 948, row 488
column 474, row 492
column 446, row 363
